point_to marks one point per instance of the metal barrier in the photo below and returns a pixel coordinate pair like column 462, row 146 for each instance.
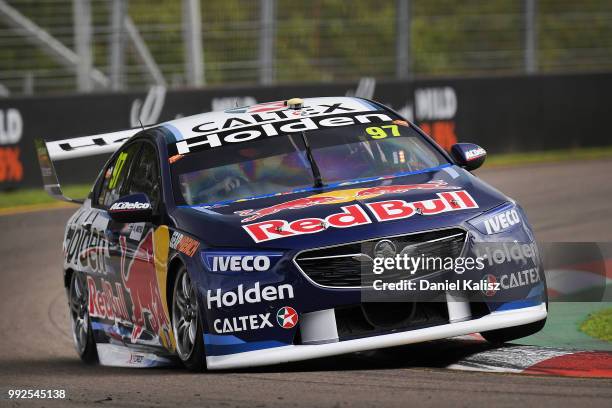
column 52, row 46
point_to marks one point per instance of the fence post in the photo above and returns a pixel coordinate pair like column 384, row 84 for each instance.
column 117, row 45
column 267, row 32
column 531, row 36
column 81, row 12
column 402, row 39
column 192, row 35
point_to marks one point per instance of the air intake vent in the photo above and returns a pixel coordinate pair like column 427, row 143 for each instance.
column 340, row 266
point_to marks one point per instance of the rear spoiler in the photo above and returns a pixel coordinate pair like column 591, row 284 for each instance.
column 52, row 151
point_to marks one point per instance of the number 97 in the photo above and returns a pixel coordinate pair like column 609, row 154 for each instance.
column 379, row 132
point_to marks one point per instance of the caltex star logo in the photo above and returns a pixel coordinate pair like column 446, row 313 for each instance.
column 286, row 317
column 490, row 280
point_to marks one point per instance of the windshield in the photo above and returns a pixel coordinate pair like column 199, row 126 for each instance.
column 280, row 164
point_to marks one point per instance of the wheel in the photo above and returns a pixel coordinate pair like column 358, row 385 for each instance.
column 512, row 333
column 79, row 317
column 186, row 323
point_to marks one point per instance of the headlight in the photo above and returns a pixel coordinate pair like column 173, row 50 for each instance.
column 500, row 219
column 237, row 262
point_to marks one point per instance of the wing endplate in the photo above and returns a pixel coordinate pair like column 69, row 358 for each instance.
column 85, row 146
column 49, row 176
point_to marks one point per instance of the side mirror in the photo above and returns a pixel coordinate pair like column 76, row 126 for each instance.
column 470, row 156
column 131, row 208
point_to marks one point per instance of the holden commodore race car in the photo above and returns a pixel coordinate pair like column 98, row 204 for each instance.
column 253, row 236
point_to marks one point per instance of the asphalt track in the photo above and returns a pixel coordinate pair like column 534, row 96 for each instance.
column 565, row 202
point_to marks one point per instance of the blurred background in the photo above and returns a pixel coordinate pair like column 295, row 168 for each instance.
column 515, row 76
column 59, row 46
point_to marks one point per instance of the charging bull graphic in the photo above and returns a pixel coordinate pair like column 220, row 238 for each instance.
column 341, row 196
column 140, row 279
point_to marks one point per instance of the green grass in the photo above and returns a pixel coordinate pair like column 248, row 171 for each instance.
column 30, row 196
column 587, row 153
column 599, row 325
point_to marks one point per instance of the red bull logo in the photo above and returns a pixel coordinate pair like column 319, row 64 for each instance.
column 354, row 215
column 104, row 303
column 140, row 280
column 342, row 196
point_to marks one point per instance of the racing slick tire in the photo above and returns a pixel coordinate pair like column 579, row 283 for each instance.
column 512, row 333
column 186, row 322
column 82, row 333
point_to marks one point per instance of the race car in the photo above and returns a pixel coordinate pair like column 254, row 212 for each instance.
column 257, row 236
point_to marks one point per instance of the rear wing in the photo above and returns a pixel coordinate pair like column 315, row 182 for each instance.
column 52, row 151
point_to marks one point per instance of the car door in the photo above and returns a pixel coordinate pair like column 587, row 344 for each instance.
column 142, row 278
column 107, row 300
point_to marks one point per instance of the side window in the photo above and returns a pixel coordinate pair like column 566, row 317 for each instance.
column 144, row 178
column 116, row 175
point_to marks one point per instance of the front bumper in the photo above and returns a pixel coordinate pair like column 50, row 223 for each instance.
column 286, row 354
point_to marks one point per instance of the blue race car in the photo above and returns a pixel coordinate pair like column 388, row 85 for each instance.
column 277, row 232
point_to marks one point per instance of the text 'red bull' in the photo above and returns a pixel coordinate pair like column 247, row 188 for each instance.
column 104, row 303
column 354, row 215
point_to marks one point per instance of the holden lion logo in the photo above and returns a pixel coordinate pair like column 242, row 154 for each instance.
column 287, row 317
column 384, row 249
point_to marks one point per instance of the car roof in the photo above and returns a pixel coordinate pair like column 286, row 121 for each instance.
column 264, row 108
column 213, row 129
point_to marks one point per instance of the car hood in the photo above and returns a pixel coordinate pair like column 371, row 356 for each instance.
column 265, row 222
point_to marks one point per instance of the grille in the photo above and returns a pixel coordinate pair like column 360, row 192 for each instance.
column 341, row 266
